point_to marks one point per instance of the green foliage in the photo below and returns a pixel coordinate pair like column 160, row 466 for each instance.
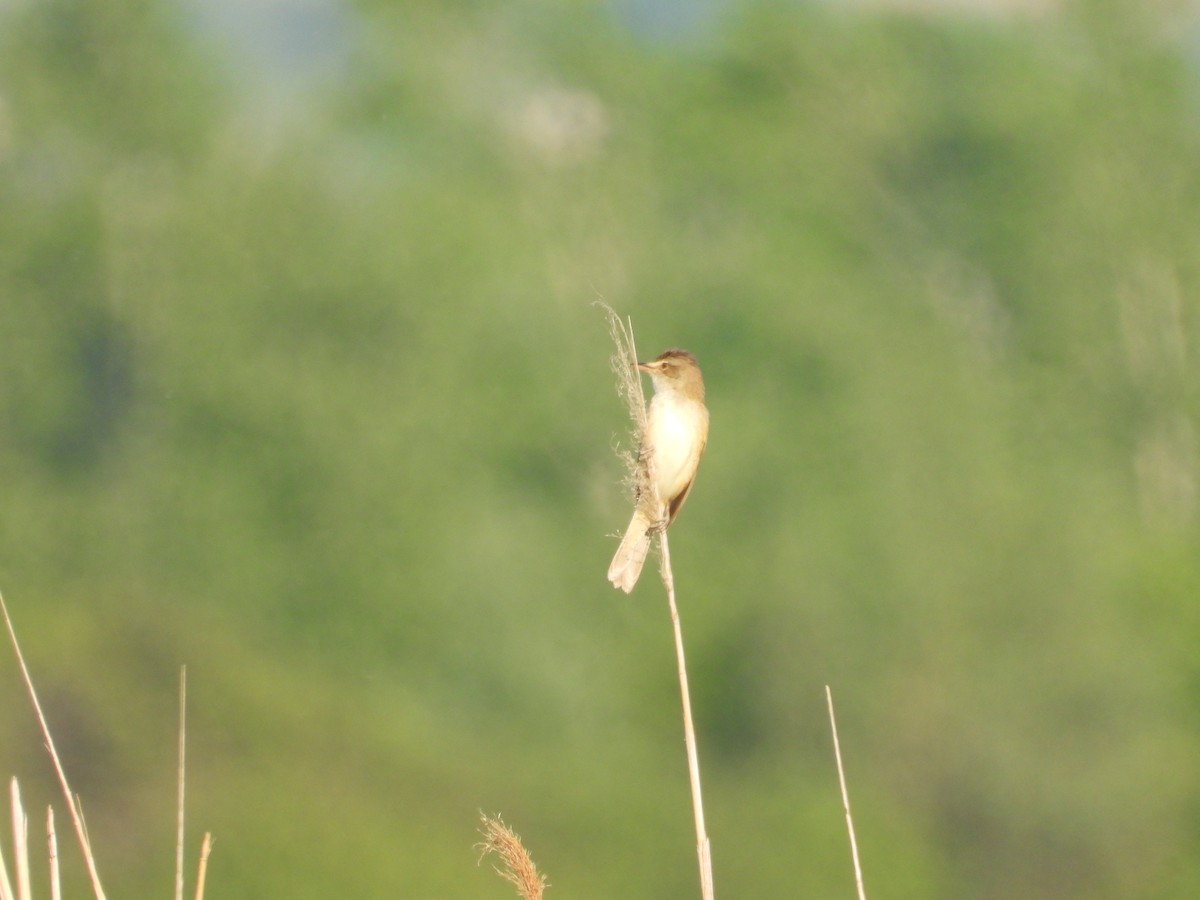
column 312, row 398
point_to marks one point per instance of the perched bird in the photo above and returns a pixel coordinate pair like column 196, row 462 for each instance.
column 671, row 447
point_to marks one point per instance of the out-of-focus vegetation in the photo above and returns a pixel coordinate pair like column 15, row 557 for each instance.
column 301, row 385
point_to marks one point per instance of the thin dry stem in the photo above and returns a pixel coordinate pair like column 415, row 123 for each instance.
column 20, row 828
column 6, row 891
column 52, row 848
column 518, row 867
column 72, row 801
column 703, row 845
column 182, row 769
column 837, row 752
column 205, row 850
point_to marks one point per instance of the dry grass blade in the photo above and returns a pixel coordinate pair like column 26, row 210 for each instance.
column 518, row 867
column 52, row 845
column 182, row 769
column 20, row 828
column 703, row 845
column 72, row 801
column 205, row 850
column 6, row 891
column 837, row 752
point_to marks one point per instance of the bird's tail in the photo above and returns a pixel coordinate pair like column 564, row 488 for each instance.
column 627, row 564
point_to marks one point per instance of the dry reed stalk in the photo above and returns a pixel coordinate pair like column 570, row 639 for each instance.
column 837, row 753
column 629, row 387
column 703, row 845
column 6, row 891
column 73, row 803
column 205, row 850
column 206, row 844
column 518, row 866
column 52, row 852
column 20, row 829
column 180, row 791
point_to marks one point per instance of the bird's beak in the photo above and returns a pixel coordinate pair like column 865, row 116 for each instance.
column 645, row 367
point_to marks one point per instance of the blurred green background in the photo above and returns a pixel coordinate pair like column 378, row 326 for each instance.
column 301, row 384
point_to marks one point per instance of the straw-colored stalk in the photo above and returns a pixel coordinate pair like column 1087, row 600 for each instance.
column 6, row 891
column 202, row 871
column 20, row 830
column 73, row 804
column 52, row 852
column 837, row 753
column 181, row 783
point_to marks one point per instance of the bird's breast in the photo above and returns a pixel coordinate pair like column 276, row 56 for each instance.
column 676, row 428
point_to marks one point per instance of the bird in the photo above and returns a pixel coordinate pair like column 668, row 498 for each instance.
column 672, row 443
